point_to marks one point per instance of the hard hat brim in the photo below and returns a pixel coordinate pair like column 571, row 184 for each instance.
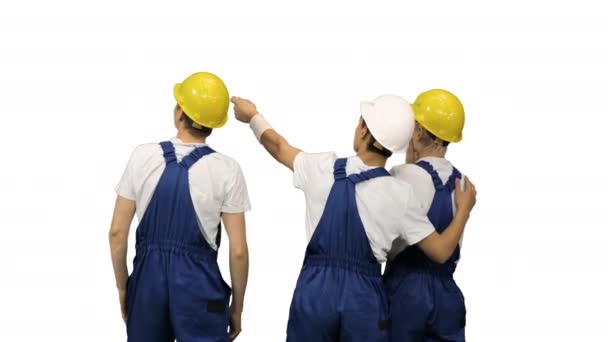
column 423, row 123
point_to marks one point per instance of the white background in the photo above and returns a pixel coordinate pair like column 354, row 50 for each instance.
column 82, row 83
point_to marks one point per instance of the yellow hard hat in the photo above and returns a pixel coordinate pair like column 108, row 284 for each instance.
column 204, row 98
column 441, row 113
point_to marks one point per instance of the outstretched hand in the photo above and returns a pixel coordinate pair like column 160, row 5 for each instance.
column 244, row 109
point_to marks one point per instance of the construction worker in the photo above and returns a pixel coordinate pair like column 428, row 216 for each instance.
column 354, row 213
column 180, row 189
column 426, row 303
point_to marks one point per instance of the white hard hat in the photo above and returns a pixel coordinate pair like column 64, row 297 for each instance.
column 390, row 119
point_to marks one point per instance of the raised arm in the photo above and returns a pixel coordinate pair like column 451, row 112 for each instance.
column 278, row 147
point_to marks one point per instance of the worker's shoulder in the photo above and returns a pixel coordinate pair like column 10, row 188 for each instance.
column 222, row 158
column 323, row 155
column 391, row 191
column 317, row 157
column 450, row 165
column 409, row 172
column 389, row 186
column 323, row 161
column 441, row 165
column 396, row 184
column 223, row 162
column 145, row 149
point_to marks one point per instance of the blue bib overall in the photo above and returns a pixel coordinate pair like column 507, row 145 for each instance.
column 426, row 304
column 339, row 295
column 176, row 289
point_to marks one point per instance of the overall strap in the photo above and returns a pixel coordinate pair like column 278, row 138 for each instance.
column 451, row 183
column 168, row 152
column 195, row 156
column 369, row 174
column 340, row 172
column 431, row 171
column 340, row 169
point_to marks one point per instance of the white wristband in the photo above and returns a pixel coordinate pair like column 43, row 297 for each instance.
column 259, row 125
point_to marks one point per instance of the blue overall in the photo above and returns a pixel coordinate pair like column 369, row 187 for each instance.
column 176, row 289
column 339, row 295
column 426, row 304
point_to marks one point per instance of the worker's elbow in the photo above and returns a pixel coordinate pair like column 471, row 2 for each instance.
column 239, row 253
column 283, row 148
column 116, row 236
column 441, row 259
column 276, row 152
column 438, row 257
column 112, row 235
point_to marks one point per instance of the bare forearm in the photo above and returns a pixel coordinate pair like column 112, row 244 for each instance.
column 451, row 236
column 118, row 247
column 272, row 141
column 439, row 247
column 239, row 272
column 239, row 257
column 124, row 210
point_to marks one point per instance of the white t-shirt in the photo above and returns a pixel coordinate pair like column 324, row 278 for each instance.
column 217, row 184
column 422, row 182
column 388, row 210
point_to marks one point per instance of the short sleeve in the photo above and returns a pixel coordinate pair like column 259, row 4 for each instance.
column 236, row 199
column 125, row 187
column 308, row 166
column 416, row 223
column 394, row 171
column 420, row 181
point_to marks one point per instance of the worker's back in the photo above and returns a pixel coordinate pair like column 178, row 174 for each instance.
column 425, row 300
column 176, row 289
column 387, row 207
column 432, row 179
column 217, row 184
column 354, row 214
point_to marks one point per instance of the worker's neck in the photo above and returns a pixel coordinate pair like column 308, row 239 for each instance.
column 432, row 152
column 186, row 137
column 372, row 159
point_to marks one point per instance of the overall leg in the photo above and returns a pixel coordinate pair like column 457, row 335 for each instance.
column 148, row 303
column 448, row 324
column 313, row 315
column 200, row 301
column 410, row 307
column 366, row 316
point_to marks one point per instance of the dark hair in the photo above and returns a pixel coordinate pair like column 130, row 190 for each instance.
column 371, row 146
column 196, row 129
column 376, row 148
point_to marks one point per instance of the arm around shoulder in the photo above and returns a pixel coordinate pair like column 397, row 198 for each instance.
column 440, row 247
